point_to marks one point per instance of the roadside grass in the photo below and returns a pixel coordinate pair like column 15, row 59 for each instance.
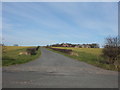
column 88, row 55
column 12, row 56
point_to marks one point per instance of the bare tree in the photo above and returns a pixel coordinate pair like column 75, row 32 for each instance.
column 111, row 49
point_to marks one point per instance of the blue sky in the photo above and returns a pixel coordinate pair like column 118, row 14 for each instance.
column 68, row 22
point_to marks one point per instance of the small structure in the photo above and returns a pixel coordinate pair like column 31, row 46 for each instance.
column 15, row 45
column 65, row 45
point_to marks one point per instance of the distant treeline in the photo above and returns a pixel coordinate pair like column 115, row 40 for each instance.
column 93, row 45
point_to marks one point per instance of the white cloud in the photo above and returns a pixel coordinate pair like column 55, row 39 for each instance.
column 60, row 22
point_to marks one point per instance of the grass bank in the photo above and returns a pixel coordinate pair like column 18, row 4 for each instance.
column 88, row 55
column 11, row 56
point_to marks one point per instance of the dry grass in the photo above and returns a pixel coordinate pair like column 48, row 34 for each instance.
column 10, row 48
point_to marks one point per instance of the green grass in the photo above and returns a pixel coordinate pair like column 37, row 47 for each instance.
column 88, row 55
column 12, row 56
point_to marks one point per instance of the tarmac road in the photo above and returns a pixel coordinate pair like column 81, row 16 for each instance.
column 53, row 70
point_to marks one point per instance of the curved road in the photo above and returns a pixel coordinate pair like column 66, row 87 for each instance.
column 53, row 70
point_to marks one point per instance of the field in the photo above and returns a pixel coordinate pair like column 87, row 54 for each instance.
column 11, row 55
column 94, row 51
column 88, row 55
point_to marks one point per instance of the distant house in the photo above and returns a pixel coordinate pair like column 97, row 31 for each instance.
column 65, row 45
column 85, row 46
column 82, row 46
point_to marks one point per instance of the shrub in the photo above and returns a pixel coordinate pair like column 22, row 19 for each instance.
column 31, row 51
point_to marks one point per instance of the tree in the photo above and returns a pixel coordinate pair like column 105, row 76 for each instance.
column 111, row 49
column 94, row 45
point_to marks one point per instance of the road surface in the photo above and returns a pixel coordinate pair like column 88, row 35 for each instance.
column 53, row 70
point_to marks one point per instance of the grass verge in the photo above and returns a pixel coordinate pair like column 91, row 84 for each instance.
column 90, row 56
column 11, row 56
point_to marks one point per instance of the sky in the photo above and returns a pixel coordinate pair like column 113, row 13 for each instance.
column 45, row 23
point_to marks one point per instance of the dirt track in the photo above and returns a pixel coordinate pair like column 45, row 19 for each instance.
column 53, row 70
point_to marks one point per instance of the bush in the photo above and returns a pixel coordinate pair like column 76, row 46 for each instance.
column 31, row 51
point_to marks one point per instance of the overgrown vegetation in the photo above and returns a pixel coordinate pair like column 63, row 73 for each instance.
column 111, row 51
column 11, row 55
